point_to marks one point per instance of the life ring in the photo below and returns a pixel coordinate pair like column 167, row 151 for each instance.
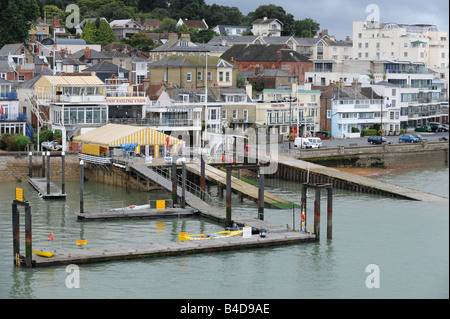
column 50, row 236
column 302, row 217
column 132, row 206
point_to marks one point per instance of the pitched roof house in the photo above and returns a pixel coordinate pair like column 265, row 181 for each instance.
column 267, row 27
column 198, row 24
column 257, row 57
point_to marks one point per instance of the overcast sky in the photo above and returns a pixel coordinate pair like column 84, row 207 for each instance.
column 337, row 15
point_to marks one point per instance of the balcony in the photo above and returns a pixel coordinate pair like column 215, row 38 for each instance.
column 156, row 122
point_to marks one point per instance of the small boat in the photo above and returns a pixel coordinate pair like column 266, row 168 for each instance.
column 221, row 234
column 131, row 207
column 43, row 253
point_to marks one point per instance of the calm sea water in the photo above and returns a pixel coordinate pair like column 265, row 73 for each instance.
column 407, row 240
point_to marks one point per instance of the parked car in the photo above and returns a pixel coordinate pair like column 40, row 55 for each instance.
column 425, row 128
column 304, row 142
column 375, row 139
column 437, row 127
column 408, row 138
column 420, row 137
column 51, row 146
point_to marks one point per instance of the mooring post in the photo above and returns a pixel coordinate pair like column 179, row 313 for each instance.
column 48, row 173
column 202, row 177
column 16, row 231
column 81, row 186
column 28, row 236
column 330, row 212
column 63, row 169
column 303, row 203
column 317, row 214
column 183, row 185
column 30, row 164
column 174, row 184
column 261, row 195
column 228, row 199
column 43, row 164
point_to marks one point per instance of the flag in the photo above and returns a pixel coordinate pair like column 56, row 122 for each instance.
column 1, row 109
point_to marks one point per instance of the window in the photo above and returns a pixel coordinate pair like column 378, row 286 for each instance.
column 245, row 115
column 227, row 76
column 199, row 75
column 221, row 76
column 189, row 76
column 366, row 45
column 140, row 79
column 360, row 35
column 224, row 114
column 235, row 114
column 405, row 54
column 209, row 76
column 360, row 45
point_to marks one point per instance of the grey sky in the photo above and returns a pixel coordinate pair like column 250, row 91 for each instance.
column 337, row 15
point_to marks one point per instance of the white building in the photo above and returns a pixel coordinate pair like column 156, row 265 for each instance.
column 413, row 42
column 267, row 27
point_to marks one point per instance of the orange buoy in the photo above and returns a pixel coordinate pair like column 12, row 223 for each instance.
column 132, row 206
column 50, row 236
column 302, row 217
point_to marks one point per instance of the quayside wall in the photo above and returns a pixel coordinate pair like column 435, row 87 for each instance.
column 379, row 156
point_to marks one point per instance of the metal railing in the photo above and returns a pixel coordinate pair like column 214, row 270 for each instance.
column 192, row 188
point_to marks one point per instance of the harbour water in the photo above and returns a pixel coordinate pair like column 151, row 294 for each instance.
column 408, row 241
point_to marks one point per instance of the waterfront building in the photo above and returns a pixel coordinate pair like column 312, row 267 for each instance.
column 75, row 103
column 13, row 120
column 422, row 93
column 103, row 143
column 414, row 42
column 355, row 109
column 193, row 24
column 290, row 110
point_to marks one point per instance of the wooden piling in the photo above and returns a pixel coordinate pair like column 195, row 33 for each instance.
column 48, row 173
column 228, row 198
column 81, row 186
column 174, row 184
column 183, row 185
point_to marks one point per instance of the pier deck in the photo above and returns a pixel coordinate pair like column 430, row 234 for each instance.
column 40, row 184
column 93, row 255
column 137, row 214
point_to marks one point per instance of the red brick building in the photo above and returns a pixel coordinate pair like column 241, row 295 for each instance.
column 258, row 57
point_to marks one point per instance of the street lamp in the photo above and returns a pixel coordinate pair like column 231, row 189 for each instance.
column 381, row 114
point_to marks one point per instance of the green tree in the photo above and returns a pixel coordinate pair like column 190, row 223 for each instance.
column 141, row 42
column 168, row 24
column 89, row 32
column 51, row 11
column 15, row 18
column 306, row 28
column 105, row 33
column 272, row 11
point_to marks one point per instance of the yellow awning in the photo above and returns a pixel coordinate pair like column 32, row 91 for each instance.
column 74, row 80
column 115, row 134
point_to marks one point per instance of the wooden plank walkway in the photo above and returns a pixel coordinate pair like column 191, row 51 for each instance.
column 382, row 187
column 242, row 187
column 40, row 184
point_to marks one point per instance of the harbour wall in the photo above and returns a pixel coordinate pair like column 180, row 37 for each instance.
column 379, row 156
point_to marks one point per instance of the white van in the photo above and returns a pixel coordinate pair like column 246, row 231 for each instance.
column 303, row 142
column 315, row 141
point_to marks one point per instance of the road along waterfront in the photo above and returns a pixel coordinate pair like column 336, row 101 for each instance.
column 407, row 240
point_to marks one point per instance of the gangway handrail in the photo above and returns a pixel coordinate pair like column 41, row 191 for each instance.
column 190, row 187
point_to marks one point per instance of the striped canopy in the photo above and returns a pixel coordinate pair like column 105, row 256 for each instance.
column 115, row 134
